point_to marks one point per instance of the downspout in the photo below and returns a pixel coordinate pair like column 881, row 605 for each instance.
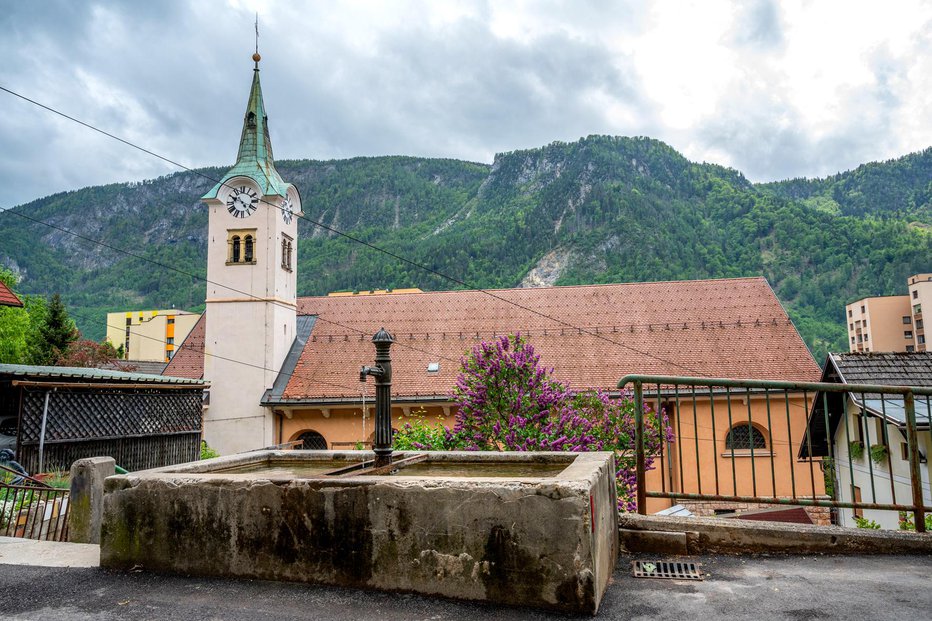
column 281, row 427
column 45, row 416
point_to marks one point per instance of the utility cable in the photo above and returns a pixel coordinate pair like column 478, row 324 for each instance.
column 219, row 357
column 357, row 240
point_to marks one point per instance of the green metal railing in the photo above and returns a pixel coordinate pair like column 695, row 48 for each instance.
column 793, row 481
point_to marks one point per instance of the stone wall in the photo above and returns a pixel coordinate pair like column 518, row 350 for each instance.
column 548, row 542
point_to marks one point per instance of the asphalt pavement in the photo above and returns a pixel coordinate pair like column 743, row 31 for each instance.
column 777, row 587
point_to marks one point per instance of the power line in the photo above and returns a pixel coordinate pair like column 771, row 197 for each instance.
column 354, row 239
column 189, row 274
column 242, row 362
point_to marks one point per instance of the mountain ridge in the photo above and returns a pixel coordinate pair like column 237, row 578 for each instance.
column 600, row 209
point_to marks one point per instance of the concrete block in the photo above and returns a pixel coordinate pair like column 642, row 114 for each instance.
column 547, row 541
column 656, row 541
column 87, row 498
column 724, row 536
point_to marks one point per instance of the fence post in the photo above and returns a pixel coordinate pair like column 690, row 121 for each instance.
column 87, row 498
column 639, row 447
column 912, row 437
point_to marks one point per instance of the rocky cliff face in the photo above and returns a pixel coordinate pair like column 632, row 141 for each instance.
column 602, row 209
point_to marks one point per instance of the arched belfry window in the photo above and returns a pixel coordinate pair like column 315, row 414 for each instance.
column 236, row 250
column 287, row 249
column 241, row 247
column 744, row 437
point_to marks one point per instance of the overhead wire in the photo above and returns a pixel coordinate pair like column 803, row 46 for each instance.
column 219, row 357
column 345, row 235
column 191, row 275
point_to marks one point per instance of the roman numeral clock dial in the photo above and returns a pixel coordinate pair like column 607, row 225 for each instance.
column 242, row 202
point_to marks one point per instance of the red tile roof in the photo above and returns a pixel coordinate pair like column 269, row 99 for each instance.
column 733, row 328
column 7, row 297
column 188, row 360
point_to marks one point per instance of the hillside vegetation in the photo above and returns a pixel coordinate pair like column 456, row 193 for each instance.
column 603, row 209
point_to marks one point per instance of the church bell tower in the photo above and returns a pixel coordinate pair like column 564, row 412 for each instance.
column 251, row 274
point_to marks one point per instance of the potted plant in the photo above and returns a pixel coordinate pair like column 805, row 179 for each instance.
column 879, row 453
column 856, row 449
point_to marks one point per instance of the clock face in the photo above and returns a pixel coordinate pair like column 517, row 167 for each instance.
column 242, row 201
column 287, row 211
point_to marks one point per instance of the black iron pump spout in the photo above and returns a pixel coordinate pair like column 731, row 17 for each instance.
column 382, row 372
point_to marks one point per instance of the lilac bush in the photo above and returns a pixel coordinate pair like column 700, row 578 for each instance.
column 508, row 402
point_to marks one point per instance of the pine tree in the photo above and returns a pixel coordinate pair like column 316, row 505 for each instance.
column 56, row 334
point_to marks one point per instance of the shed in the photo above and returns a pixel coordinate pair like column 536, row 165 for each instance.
column 53, row 416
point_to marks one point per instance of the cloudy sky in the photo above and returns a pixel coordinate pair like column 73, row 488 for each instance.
column 774, row 89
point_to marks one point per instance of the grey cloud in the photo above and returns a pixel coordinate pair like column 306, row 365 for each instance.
column 758, row 25
column 182, row 71
column 771, row 142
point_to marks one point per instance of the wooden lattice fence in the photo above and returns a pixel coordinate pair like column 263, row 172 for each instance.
column 139, row 428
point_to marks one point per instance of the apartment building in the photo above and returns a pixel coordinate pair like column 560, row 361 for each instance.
column 891, row 323
column 149, row 335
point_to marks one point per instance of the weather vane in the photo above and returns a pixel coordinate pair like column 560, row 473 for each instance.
column 256, row 56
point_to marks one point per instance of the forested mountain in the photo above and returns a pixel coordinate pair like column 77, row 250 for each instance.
column 603, row 209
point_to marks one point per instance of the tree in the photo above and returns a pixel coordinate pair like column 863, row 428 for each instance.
column 87, row 353
column 19, row 327
column 56, row 334
column 508, row 402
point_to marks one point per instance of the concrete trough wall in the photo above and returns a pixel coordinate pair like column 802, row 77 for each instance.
column 545, row 542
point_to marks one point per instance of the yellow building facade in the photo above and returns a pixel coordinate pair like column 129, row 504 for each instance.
column 149, row 335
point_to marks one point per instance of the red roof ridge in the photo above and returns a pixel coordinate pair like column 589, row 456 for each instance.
column 562, row 287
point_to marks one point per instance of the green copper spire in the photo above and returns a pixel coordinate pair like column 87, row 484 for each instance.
column 255, row 148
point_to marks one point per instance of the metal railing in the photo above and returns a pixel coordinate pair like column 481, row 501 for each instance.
column 785, row 443
column 32, row 509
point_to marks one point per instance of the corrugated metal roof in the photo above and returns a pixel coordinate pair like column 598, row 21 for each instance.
column 36, row 372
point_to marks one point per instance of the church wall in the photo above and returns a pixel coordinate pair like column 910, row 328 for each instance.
column 234, row 421
column 345, row 426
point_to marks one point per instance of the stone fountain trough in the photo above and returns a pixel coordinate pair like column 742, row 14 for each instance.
column 530, row 529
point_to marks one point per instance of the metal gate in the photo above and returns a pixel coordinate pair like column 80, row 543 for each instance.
column 847, row 447
column 32, row 509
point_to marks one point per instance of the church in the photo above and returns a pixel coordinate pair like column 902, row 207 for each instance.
column 283, row 368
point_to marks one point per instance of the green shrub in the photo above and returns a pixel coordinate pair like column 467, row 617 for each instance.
column 879, row 453
column 420, row 435
column 856, row 449
column 865, row 523
column 207, row 452
column 906, row 521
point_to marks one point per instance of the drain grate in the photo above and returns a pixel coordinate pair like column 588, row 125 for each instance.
column 677, row 570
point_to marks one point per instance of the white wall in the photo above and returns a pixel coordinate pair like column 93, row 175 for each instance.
column 864, row 470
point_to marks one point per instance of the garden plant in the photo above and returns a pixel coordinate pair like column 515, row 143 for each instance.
column 508, row 402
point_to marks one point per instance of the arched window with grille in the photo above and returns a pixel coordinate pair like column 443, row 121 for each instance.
column 744, row 437
column 313, row 441
column 248, row 249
